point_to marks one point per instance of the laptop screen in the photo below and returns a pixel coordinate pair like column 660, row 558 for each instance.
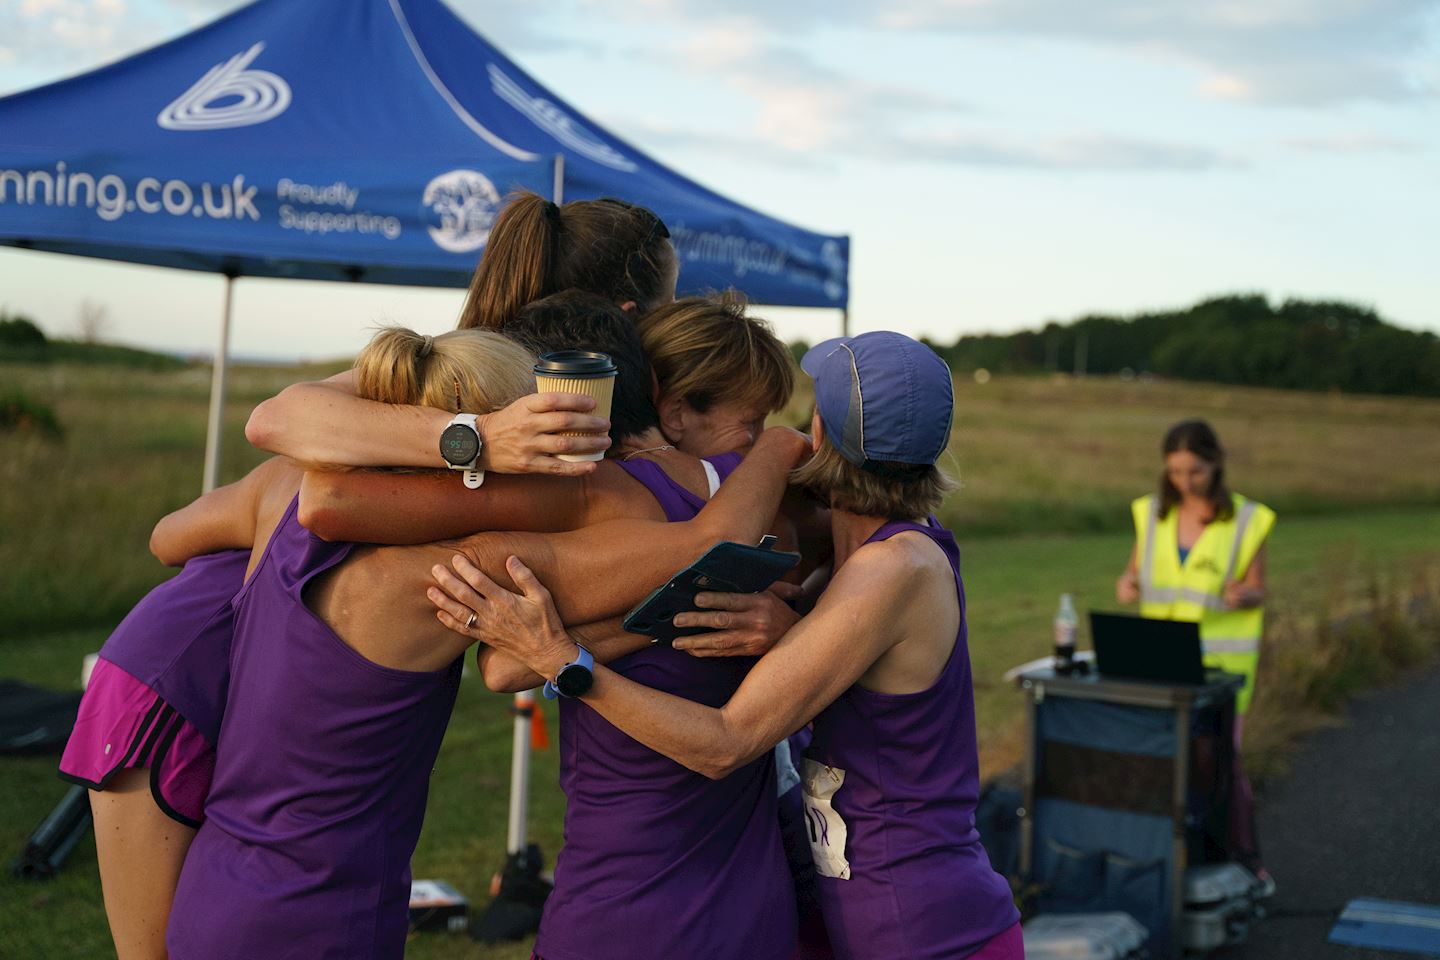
column 1137, row 648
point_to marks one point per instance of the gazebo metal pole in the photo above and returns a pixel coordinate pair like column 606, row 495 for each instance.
column 525, row 705
column 217, row 392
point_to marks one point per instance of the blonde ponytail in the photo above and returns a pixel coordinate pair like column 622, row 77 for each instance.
column 389, row 368
column 463, row 371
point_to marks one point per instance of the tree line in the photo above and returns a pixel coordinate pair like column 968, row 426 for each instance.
column 1239, row 339
column 22, row 341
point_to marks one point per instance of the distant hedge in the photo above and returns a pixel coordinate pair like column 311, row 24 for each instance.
column 1241, row 339
column 20, row 414
column 21, row 341
column 20, row 332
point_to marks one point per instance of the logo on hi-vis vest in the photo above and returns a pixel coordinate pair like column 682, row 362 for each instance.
column 466, row 202
column 556, row 122
column 229, row 96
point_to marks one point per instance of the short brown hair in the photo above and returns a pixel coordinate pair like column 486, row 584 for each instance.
column 708, row 351
column 848, row 487
column 607, row 247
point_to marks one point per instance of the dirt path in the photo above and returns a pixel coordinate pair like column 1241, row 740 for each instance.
column 1359, row 815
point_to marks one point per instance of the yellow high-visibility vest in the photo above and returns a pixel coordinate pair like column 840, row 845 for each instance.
column 1195, row 592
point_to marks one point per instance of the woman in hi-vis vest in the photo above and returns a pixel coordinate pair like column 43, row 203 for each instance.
column 1200, row 556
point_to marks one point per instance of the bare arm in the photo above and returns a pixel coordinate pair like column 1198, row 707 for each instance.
column 316, row 422
column 607, row 642
column 406, row 508
column 603, row 570
column 854, row 625
column 222, row 519
column 1249, row 590
column 1127, row 587
column 324, row 422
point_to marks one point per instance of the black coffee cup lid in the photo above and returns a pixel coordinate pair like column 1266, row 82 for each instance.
column 575, row 364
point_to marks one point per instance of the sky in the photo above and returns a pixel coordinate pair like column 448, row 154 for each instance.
column 997, row 163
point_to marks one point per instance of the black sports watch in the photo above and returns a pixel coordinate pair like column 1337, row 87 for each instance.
column 574, row 679
column 460, row 448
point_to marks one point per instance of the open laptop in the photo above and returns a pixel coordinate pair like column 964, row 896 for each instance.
column 1135, row 648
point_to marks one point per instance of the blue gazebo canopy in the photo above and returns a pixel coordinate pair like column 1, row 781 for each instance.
column 366, row 140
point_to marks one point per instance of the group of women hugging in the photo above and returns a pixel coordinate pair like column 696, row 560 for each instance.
column 800, row 781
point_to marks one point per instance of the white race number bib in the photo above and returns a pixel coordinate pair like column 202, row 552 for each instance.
column 826, row 829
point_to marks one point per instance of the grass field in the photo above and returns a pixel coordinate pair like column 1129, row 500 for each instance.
column 1048, row 467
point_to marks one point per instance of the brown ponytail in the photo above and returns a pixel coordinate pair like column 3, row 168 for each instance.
column 607, row 247
column 517, row 265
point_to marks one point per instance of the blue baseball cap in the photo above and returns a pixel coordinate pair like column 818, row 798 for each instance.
column 882, row 397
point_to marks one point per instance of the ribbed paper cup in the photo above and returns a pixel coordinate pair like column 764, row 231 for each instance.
column 582, row 372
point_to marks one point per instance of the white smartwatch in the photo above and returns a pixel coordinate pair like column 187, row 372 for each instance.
column 460, row 448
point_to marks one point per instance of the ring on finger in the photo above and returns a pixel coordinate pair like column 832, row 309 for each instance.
column 471, row 622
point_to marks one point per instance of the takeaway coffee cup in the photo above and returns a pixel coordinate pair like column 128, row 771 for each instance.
column 583, row 372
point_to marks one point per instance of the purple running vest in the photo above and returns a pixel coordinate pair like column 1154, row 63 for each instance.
column 322, row 771
column 177, row 638
column 920, row 884
column 660, row 861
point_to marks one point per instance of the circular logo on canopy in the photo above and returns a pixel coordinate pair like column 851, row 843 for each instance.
column 230, row 95
column 466, row 202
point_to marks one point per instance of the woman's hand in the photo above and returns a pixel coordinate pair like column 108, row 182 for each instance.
column 801, row 446
column 742, row 624
column 525, row 436
column 1240, row 595
column 1127, row 588
column 524, row 625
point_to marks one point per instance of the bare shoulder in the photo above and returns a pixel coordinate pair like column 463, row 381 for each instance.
column 279, row 479
column 894, row 566
column 908, row 553
column 279, row 474
column 612, row 493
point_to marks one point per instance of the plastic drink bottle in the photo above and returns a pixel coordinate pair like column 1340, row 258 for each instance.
column 1066, row 623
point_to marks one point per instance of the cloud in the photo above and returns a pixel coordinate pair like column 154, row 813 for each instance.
column 737, row 145
column 516, row 27
column 1081, row 152
column 72, row 33
column 1355, row 143
column 800, row 105
column 809, row 114
column 1274, row 52
column 1280, row 52
column 1078, row 153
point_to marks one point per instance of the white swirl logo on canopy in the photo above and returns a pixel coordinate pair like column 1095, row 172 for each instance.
column 556, row 122
column 249, row 97
column 466, row 203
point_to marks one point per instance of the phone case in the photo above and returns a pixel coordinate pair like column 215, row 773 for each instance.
column 727, row 567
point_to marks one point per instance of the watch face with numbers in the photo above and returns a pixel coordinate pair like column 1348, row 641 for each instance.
column 459, row 445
